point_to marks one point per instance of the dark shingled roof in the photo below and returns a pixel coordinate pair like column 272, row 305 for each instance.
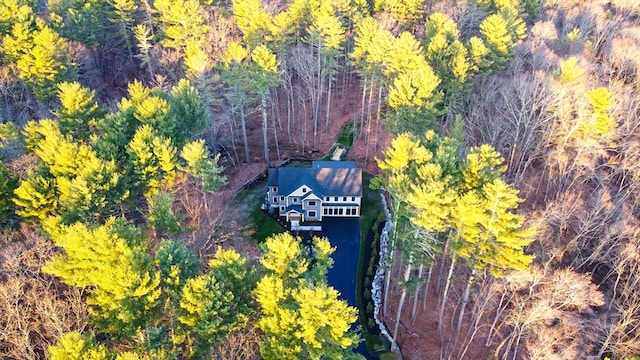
column 273, row 177
column 323, row 181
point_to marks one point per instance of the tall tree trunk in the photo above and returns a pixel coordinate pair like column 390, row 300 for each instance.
column 290, row 109
column 465, row 298
column 387, row 280
column 445, row 293
column 304, row 126
column 445, row 253
column 264, row 128
column 364, row 97
column 243, row 124
column 496, row 318
column 275, row 136
column 426, row 288
column 407, row 274
column 375, row 142
column 366, row 149
column 392, row 248
column 414, row 310
column 232, row 125
column 326, row 125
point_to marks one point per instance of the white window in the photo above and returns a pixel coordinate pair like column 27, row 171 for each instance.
column 348, row 211
column 353, row 198
column 304, row 190
column 281, row 208
column 335, row 198
column 312, row 203
column 275, row 199
column 295, row 200
column 281, row 198
column 325, row 211
column 340, row 211
column 312, row 214
column 344, row 198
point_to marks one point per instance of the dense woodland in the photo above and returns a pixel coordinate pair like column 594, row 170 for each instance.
column 511, row 176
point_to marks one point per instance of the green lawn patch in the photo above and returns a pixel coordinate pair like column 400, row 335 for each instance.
column 263, row 225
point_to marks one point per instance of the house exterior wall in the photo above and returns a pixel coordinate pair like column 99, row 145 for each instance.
column 342, row 199
column 313, row 209
column 273, row 197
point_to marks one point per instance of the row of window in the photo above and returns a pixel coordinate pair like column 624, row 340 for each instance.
column 337, row 198
column 340, row 211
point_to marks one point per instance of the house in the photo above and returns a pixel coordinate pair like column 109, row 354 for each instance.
column 326, row 189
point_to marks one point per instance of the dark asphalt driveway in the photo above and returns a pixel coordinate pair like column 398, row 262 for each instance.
column 344, row 234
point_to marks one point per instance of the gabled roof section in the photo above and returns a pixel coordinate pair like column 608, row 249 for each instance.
column 290, row 179
column 323, row 181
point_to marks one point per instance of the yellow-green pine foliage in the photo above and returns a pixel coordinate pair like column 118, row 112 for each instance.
column 76, row 346
column 405, row 12
column 414, row 175
column 202, row 166
column 464, row 198
column 372, row 47
column 483, row 165
column 328, row 28
column 15, row 13
column 253, row 20
column 161, row 215
column 195, row 154
column 112, row 262
column 301, row 316
column 181, row 21
column 600, row 126
column 36, row 198
column 265, row 59
column 17, row 26
column 45, row 62
column 79, row 111
column 234, row 54
column 479, row 54
column 177, row 264
column 196, row 59
column 501, row 31
column 86, row 185
column 570, row 71
column 79, row 20
column 445, row 52
column 215, row 304
column 415, row 89
column 188, row 110
column 155, row 111
column 152, row 159
column 492, row 235
column 526, row 9
column 402, row 55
